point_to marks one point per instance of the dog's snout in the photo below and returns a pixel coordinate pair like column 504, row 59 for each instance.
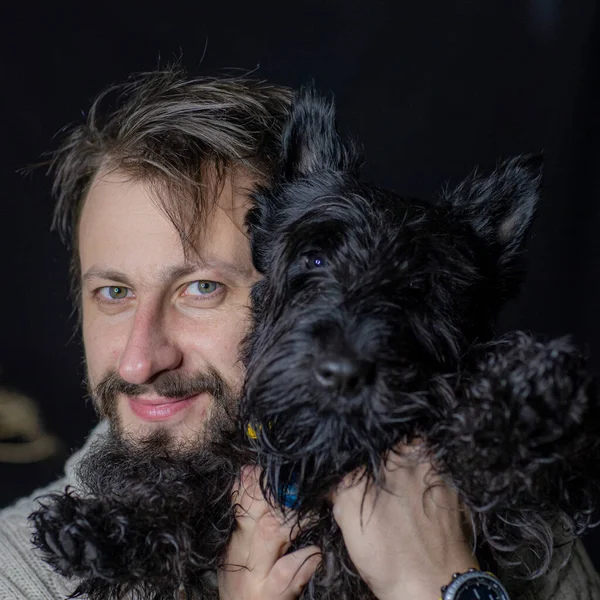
column 343, row 374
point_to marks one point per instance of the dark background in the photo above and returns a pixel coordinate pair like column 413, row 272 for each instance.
column 431, row 88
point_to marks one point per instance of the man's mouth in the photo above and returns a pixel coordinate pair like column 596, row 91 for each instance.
column 158, row 409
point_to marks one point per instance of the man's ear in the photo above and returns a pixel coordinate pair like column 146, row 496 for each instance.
column 311, row 141
column 500, row 207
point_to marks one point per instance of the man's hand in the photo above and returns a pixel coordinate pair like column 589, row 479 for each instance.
column 405, row 544
column 258, row 568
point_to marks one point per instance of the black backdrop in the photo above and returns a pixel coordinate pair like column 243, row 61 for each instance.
column 430, row 88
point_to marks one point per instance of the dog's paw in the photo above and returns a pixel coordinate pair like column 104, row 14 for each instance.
column 107, row 548
column 526, row 431
column 522, row 447
column 65, row 531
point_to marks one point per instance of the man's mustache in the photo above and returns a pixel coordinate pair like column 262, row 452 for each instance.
column 172, row 385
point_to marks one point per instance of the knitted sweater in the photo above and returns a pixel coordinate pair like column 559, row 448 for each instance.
column 24, row 576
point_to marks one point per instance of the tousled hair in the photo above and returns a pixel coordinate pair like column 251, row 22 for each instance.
column 179, row 135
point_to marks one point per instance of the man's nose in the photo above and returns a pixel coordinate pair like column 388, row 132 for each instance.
column 150, row 350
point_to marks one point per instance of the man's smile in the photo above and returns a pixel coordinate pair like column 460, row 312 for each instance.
column 161, row 408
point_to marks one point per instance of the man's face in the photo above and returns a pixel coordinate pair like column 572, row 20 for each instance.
column 161, row 332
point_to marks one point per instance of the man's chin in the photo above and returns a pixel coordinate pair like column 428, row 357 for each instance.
column 180, row 432
column 176, row 434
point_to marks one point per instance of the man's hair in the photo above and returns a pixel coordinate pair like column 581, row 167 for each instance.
column 178, row 135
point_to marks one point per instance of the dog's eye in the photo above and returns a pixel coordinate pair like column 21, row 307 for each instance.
column 314, row 261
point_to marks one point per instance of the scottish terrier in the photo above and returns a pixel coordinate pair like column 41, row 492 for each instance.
column 372, row 326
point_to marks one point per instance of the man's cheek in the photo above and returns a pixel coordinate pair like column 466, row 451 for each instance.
column 99, row 362
column 230, row 350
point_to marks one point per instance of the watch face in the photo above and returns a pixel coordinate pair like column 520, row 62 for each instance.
column 478, row 589
column 475, row 585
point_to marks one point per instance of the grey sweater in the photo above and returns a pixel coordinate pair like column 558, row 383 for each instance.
column 24, row 576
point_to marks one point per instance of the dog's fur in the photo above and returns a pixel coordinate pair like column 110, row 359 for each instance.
column 372, row 326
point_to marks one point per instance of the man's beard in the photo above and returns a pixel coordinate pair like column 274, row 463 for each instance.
column 173, row 385
column 122, row 463
column 154, row 516
column 155, row 488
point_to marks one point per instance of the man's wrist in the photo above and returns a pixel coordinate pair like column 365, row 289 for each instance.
column 429, row 585
column 474, row 584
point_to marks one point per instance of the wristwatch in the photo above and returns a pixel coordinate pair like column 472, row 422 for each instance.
column 474, row 585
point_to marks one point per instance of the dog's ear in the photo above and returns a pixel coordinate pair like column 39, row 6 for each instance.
column 500, row 207
column 311, row 141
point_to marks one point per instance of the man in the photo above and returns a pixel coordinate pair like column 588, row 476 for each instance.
column 154, row 195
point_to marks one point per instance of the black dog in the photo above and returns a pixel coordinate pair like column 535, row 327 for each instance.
column 372, row 326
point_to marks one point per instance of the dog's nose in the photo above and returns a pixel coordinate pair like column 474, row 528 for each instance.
column 344, row 374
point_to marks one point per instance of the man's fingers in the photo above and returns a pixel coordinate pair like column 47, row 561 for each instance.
column 270, row 541
column 291, row 573
column 353, row 499
column 402, row 464
column 351, row 487
column 402, row 467
column 262, row 536
column 259, row 544
column 248, row 496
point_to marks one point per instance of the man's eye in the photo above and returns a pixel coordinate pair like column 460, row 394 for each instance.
column 314, row 261
column 115, row 292
column 202, row 288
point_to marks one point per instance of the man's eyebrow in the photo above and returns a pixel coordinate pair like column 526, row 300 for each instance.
column 233, row 270
column 101, row 273
column 168, row 274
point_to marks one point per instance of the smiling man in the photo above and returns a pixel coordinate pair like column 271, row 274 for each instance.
column 162, row 329
column 152, row 190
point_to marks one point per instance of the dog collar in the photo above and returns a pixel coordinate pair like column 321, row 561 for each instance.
column 290, row 495
column 251, row 432
column 474, row 585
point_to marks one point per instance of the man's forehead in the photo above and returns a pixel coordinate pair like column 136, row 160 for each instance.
column 124, row 229
column 114, row 195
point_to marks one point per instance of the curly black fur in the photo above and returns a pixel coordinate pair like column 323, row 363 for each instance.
column 135, row 528
column 521, row 445
column 153, row 523
column 372, row 325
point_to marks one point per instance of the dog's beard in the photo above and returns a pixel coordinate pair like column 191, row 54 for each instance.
column 224, row 400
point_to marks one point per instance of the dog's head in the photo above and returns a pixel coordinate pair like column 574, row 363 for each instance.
column 367, row 298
